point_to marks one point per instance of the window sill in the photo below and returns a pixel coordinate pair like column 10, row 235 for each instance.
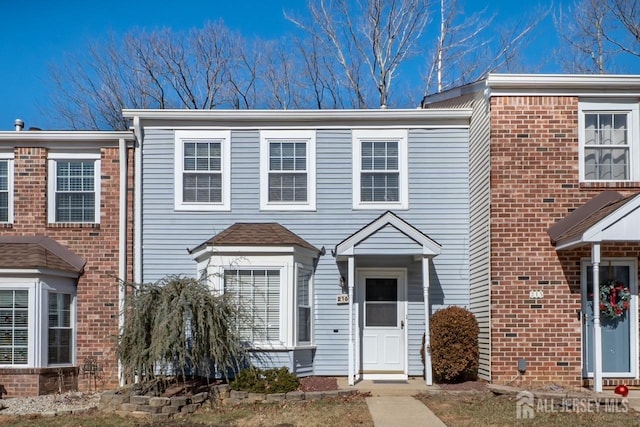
column 264, row 347
column 73, row 225
column 609, row 184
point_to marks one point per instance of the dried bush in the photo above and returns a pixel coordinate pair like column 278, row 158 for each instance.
column 275, row 380
column 454, row 345
column 178, row 326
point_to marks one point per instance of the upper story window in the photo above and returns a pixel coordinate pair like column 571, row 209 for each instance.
column 6, row 188
column 74, row 188
column 287, row 170
column 380, row 169
column 609, row 145
column 202, row 170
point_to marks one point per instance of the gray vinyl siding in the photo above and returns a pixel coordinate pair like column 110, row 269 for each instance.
column 480, row 202
column 438, row 207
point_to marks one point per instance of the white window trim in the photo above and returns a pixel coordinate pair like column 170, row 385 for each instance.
column 631, row 108
column 400, row 135
column 10, row 184
column 53, row 157
column 308, row 136
column 38, row 326
column 225, row 137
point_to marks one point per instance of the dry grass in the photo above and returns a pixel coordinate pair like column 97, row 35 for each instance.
column 339, row 412
column 485, row 409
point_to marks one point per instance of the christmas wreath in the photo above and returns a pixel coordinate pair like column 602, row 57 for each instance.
column 614, row 299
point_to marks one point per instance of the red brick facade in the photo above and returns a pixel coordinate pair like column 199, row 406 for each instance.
column 97, row 288
column 534, row 183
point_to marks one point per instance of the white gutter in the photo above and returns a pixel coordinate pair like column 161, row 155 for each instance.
column 137, row 202
column 122, row 263
column 298, row 115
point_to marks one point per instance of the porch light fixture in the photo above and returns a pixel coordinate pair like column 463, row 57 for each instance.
column 343, row 282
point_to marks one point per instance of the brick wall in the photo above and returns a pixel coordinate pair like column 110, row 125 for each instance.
column 97, row 290
column 534, row 183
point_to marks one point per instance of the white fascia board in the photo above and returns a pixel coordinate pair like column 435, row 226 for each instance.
column 564, row 84
column 69, row 136
column 309, row 118
column 36, row 272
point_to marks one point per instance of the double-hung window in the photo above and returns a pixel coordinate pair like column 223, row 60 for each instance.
column 14, row 327
column 74, row 188
column 287, row 170
column 202, row 170
column 60, row 331
column 303, row 295
column 380, row 169
column 257, row 294
column 609, row 145
column 6, row 187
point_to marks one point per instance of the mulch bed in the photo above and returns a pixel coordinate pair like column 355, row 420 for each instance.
column 318, row 384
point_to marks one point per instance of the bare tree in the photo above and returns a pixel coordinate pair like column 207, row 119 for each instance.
column 599, row 35
column 369, row 39
column 471, row 45
column 158, row 69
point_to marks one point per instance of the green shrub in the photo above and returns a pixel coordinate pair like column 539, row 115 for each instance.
column 275, row 380
column 454, row 345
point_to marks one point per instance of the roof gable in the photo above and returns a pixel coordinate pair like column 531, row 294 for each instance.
column 607, row 217
column 422, row 244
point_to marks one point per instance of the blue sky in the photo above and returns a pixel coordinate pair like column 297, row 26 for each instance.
column 36, row 33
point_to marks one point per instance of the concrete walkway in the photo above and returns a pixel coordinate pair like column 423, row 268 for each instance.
column 392, row 403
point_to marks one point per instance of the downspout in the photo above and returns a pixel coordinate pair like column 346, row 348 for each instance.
column 137, row 202
column 597, row 332
column 428, row 376
column 122, row 264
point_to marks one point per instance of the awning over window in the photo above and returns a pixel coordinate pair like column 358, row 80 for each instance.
column 37, row 252
column 608, row 217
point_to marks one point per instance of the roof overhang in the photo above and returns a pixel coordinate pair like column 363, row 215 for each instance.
column 621, row 224
column 66, row 136
column 347, row 247
column 301, row 118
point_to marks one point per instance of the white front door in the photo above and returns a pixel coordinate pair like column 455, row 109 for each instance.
column 383, row 321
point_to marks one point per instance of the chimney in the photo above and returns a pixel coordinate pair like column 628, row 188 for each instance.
column 19, row 124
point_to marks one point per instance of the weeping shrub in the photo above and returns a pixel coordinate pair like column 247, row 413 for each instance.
column 178, row 326
column 454, row 345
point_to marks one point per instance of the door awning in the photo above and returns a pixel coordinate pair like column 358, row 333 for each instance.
column 387, row 235
column 608, row 217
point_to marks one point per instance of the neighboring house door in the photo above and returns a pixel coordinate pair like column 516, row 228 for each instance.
column 383, row 321
column 619, row 336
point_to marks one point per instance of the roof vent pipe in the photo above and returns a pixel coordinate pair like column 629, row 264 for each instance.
column 19, row 124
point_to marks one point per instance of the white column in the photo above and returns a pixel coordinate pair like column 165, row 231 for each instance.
column 427, row 338
column 597, row 332
column 352, row 357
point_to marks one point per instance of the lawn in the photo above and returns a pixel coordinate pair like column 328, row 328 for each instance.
column 346, row 411
column 485, row 409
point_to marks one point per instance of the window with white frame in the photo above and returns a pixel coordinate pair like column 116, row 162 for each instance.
column 304, row 306
column 287, row 170
column 6, row 188
column 609, row 145
column 257, row 293
column 74, row 188
column 380, row 169
column 60, row 331
column 202, row 170
column 37, row 321
column 14, row 327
